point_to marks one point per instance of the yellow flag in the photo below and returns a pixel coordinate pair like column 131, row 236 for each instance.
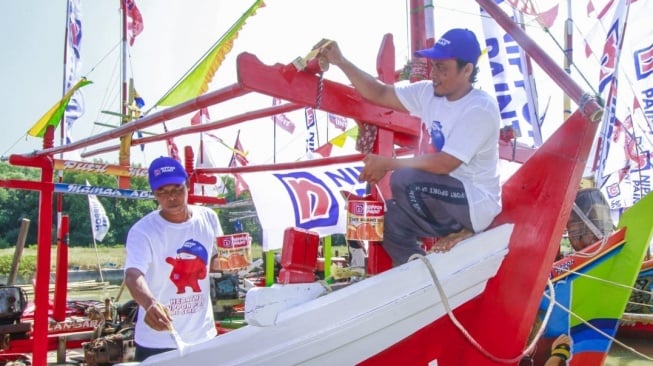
column 196, row 81
column 53, row 116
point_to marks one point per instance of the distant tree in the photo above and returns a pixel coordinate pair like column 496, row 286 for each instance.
column 16, row 204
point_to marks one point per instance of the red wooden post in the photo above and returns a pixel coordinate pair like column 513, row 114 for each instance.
column 61, row 275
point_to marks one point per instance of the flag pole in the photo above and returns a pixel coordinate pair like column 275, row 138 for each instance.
column 274, row 140
column 125, row 140
column 97, row 257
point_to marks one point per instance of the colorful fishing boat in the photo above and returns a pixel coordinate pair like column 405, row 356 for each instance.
column 591, row 288
column 637, row 320
column 497, row 323
column 472, row 306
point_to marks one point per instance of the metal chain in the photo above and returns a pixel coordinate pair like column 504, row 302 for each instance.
column 320, row 87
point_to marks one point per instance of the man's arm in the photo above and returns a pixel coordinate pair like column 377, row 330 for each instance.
column 367, row 85
column 156, row 315
column 377, row 166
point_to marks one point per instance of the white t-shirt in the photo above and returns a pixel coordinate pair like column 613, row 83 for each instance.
column 175, row 259
column 470, row 132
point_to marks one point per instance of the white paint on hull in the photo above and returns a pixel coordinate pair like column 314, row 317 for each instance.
column 350, row 325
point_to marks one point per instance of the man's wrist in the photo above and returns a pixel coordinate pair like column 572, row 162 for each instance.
column 562, row 350
column 153, row 303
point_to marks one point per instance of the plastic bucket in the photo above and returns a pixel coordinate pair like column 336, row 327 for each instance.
column 365, row 220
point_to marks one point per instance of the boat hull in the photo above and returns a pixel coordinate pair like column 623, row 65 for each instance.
column 353, row 324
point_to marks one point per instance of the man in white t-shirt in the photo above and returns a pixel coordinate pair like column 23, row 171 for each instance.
column 449, row 190
column 167, row 265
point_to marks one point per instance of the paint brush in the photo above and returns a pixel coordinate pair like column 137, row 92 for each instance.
column 181, row 346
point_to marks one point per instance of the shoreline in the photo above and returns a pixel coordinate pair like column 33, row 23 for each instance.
column 113, row 276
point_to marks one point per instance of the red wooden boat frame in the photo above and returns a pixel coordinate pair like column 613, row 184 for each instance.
column 500, row 319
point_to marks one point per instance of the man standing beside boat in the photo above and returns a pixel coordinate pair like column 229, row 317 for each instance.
column 167, row 265
column 449, row 190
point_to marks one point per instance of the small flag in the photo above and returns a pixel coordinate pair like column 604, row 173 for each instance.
column 99, row 220
column 337, row 121
column 282, row 120
column 135, row 24
column 200, row 117
column 237, row 157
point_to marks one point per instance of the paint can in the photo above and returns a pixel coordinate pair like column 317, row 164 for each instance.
column 365, row 220
column 234, row 252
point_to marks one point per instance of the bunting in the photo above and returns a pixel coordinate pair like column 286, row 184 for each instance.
column 545, row 18
column 338, row 141
column 53, row 116
column 135, row 23
column 196, row 81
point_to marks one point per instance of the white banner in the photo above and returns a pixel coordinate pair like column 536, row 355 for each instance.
column 307, row 198
column 625, row 170
column 99, row 220
column 513, row 86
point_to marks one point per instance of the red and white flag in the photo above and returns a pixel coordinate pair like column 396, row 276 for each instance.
column 238, row 158
column 200, row 117
column 135, row 23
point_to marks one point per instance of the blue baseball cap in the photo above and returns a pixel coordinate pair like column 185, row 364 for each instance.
column 457, row 43
column 164, row 170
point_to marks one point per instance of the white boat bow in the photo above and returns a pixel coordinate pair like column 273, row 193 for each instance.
column 349, row 325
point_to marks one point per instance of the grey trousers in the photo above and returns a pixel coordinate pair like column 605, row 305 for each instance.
column 423, row 205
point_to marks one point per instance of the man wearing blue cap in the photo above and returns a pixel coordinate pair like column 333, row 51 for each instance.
column 450, row 189
column 167, row 264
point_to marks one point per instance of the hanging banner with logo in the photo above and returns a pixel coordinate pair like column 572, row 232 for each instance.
column 308, row 198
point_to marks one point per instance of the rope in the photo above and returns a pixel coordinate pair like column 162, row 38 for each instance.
column 599, row 331
column 528, row 350
column 590, row 225
column 615, row 284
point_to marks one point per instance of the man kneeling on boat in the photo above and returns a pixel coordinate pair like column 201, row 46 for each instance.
column 450, row 190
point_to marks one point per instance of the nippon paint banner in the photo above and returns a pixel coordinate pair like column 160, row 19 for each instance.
column 307, row 198
column 513, row 86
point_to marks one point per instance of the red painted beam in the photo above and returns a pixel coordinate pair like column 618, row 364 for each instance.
column 192, row 105
column 211, row 126
column 302, row 88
